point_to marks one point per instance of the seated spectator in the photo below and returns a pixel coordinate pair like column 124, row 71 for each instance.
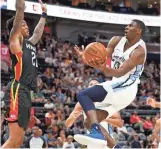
column 49, row 104
column 69, row 143
column 59, row 104
column 136, row 122
column 48, row 75
column 5, row 58
column 148, row 126
column 50, row 139
column 36, row 140
column 136, row 143
column 60, row 95
column 49, row 116
column 62, row 135
column 33, row 120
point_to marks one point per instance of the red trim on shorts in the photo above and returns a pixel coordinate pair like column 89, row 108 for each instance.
column 13, row 115
column 18, row 66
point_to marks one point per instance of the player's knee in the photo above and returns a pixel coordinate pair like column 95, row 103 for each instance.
column 16, row 141
column 19, row 141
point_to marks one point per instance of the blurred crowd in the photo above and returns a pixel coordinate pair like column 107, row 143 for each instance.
column 61, row 76
column 147, row 9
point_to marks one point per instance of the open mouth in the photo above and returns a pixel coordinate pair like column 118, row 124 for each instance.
column 126, row 33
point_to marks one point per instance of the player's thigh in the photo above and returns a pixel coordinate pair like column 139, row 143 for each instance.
column 24, row 109
column 95, row 93
column 17, row 105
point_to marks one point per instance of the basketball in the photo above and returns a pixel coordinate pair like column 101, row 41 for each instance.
column 95, row 50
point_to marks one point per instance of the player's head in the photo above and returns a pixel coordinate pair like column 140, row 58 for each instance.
column 24, row 27
column 135, row 29
column 93, row 82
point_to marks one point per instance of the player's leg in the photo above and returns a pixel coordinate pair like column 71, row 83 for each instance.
column 16, row 136
column 17, row 105
column 102, row 115
column 86, row 99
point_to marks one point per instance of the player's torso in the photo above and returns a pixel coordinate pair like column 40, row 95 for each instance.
column 25, row 68
column 119, row 56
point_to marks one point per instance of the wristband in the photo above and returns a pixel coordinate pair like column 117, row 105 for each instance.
column 44, row 15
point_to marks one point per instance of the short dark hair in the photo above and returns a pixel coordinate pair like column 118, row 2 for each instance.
column 9, row 24
column 141, row 25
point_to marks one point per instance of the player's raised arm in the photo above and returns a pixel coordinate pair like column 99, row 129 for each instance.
column 14, row 27
column 137, row 58
column 20, row 6
column 40, row 26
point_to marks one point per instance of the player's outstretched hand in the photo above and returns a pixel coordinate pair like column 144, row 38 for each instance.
column 80, row 53
column 43, row 6
column 151, row 101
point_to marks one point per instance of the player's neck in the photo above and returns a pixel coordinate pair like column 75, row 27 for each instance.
column 133, row 41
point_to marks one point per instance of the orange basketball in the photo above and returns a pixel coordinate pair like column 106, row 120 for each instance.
column 95, row 50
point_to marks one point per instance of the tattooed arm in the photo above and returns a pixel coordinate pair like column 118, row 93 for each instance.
column 40, row 26
column 15, row 34
column 18, row 17
column 38, row 31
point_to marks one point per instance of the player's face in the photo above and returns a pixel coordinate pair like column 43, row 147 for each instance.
column 132, row 30
column 25, row 30
column 92, row 83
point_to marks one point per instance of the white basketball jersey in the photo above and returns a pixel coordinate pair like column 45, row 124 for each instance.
column 119, row 57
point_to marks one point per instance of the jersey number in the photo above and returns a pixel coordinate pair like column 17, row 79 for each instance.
column 116, row 65
column 34, row 60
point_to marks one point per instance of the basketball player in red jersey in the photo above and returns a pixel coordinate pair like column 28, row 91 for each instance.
column 24, row 63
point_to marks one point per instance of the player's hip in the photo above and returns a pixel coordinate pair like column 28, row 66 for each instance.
column 17, row 93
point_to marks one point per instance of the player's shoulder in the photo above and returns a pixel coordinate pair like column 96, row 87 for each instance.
column 116, row 38
column 140, row 50
column 114, row 41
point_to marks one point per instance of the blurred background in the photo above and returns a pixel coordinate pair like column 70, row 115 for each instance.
column 62, row 74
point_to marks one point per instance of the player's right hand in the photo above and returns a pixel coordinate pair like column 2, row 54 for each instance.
column 80, row 53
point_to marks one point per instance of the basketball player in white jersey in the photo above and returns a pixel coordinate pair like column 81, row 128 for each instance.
column 107, row 123
column 128, row 55
column 156, row 131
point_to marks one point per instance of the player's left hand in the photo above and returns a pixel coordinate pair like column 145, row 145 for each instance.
column 43, row 6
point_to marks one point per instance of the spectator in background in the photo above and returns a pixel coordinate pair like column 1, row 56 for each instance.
column 136, row 143
column 50, row 139
column 36, row 140
column 148, row 126
column 69, row 143
column 60, row 95
column 49, row 116
column 5, row 58
column 49, row 104
column 136, row 122
column 48, row 76
column 33, row 120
